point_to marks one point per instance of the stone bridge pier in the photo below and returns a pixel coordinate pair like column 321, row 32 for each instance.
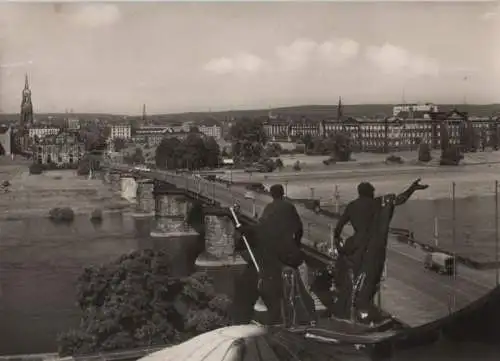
column 145, row 201
column 113, row 178
column 219, row 242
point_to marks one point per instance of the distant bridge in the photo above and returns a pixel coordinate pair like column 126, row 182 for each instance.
column 413, row 295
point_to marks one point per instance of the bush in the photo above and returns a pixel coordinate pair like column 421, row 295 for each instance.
column 61, row 215
column 424, row 152
column 451, row 156
column 394, row 159
column 278, row 163
column 36, row 168
column 134, row 302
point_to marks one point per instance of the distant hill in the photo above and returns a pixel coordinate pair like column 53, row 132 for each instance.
column 315, row 112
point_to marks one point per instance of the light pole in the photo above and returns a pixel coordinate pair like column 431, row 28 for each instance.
column 453, row 237
column 336, row 196
column 497, row 275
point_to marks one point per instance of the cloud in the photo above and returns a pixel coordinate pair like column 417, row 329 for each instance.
column 296, row 55
column 489, row 15
column 240, row 63
column 302, row 52
column 292, row 57
column 392, row 59
column 96, row 15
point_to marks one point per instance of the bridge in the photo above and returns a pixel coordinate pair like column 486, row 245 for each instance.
column 415, row 296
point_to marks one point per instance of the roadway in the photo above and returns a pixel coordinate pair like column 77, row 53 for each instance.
column 411, row 293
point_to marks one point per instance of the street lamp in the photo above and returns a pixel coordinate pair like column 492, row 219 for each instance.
column 497, row 275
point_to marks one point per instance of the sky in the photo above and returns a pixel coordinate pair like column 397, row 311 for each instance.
column 176, row 57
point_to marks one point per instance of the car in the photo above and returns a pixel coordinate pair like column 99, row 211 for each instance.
column 440, row 262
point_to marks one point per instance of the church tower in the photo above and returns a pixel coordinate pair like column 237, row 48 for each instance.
column 26, row 118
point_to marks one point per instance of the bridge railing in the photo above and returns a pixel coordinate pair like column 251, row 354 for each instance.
column 314, row 232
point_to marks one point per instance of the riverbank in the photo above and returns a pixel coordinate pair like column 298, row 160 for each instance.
column 34, row 195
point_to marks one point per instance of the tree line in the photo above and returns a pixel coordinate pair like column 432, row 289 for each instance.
column 193, row 152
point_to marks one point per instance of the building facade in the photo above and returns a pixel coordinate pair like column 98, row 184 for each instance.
column 41, row 131
column 150, row 135
column 61, row 149
column 211, row 131
column 123, row 131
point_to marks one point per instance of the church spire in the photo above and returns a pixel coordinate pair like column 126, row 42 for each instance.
column 26, row 118
column 340, row 110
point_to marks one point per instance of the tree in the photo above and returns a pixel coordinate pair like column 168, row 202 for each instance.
column 135, row 302
column 307, row 139
column 119, row 144
column 138, row 156
column 212, row 152
column 193, row 151
column 339, row 145
column 248, row 138
column 166, row 155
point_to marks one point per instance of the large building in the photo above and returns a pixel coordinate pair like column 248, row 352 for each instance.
column 150, row 135
column 123, row 131
column 61, row 149
column 41, row 131
column 211, row 131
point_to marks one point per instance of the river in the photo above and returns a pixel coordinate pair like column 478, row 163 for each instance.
column 40, row 261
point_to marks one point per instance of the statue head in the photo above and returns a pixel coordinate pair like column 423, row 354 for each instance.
column 366, row 190
column 277, row 191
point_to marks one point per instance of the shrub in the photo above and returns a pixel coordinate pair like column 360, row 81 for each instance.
column 451, row 156
column 424, row 152
column 278, row 163
column 134, row 302
column 394, row 159
column 36, row 168
column 62, row 215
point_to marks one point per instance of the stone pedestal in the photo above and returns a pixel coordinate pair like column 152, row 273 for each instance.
column 219, row 240
column 170, row 214
column 145, row 204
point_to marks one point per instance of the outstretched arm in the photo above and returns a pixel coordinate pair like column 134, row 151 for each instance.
column 403, row 197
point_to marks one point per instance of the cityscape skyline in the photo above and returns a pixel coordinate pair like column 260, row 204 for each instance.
column 177, row 57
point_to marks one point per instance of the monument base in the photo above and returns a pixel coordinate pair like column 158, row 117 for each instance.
column 318, row 306
column 207, row 260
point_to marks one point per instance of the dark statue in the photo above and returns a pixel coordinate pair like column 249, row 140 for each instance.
column 275, row 242
column 361, row 257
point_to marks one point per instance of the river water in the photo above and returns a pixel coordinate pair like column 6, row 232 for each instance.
column 40, row 261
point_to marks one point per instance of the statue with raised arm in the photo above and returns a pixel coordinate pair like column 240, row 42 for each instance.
column 361, row 257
